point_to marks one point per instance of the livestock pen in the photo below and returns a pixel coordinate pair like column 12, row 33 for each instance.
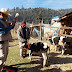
column 57, row 62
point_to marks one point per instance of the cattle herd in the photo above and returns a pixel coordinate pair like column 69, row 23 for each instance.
column 62, row 43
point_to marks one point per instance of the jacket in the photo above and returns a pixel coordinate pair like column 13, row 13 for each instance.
column 5, row 30
column 21, row 36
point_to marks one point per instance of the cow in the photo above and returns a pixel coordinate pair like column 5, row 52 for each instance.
column 59, row 42
column 41, row 48
column 55, row 40
column 67, row 45
column 62, row 43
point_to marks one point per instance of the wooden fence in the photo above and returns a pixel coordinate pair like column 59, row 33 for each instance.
column 60, row 29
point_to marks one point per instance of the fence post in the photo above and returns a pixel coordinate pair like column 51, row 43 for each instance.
column 40, row 29
column 31, row 28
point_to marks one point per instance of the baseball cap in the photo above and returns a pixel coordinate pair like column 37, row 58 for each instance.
column 23, row 23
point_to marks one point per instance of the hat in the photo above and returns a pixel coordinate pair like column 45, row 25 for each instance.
column 5, row 11
column 23, row 23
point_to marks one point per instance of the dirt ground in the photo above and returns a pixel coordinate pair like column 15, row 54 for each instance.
column 56, row 63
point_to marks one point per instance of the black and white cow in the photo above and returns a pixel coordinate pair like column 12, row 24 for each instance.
column 39, row 47
column 59, row 43
column 55, row 40
column 67, row 44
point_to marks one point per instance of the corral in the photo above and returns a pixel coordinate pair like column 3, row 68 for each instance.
column 57, row 62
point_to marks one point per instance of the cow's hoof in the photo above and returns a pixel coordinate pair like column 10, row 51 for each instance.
column 30, row 59
column 62, row 54
column 22, row 57
column 44, row 66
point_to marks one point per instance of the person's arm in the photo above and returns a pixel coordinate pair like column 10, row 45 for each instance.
column 13, row 23
column 4, row 30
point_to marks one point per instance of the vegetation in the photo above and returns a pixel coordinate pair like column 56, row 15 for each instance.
column 35, row 15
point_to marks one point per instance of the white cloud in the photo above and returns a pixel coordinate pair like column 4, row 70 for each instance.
column 28, row 3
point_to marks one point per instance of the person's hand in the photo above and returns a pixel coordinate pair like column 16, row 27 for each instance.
column 12, row 24
column 15, row 18
column 25, row 41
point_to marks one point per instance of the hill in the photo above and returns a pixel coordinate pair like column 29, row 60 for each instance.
column 35, row 15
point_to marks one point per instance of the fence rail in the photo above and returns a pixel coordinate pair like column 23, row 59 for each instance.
column 60, row 27
column 59, row 33
column 54, row 32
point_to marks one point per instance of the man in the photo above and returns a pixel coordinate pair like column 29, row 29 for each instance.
column 5, row 35
column 23, row 37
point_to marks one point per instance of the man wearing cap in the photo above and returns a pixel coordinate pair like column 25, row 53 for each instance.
column 23, row 37
column 5, row 35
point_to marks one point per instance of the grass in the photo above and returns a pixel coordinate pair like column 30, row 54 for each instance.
column 25, row 64
column 15, row 60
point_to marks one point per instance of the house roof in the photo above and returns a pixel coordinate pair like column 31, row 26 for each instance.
column 66, row 19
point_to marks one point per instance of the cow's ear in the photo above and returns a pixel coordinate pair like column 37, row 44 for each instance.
column 47, row 46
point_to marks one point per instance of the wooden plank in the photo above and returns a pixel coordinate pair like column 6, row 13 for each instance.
column 60, row 27
column 61, row 34
column 37, row 25
column 53, row 27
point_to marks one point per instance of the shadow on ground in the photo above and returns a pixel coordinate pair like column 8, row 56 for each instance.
column 58, row 60
column 37, row 64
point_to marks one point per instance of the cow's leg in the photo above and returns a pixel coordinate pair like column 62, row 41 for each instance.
column 29, row 54
column 55, row 47
column 49, row 50
column 63, row 49
column 44, row 58
column 47, row 59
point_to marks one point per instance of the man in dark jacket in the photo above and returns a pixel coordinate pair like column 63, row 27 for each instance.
column 23, row 37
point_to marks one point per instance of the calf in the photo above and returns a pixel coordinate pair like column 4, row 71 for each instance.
column 58, row 41
column 40, row 47
column 67, row 44
column 62, row 41
column 55, row 41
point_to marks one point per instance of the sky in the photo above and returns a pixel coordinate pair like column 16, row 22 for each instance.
column 52, row 4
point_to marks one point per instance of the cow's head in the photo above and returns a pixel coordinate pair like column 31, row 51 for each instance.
column 46, row 47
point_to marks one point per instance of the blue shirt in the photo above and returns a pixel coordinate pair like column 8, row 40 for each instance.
column 4, row 30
